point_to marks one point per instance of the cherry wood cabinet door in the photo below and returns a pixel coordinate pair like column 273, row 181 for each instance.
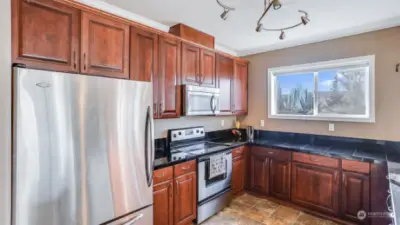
column 163, row 203
column 355, row 195
column 190, row 64
column 169, row 90
column 45, row 35
column 144, row 55
column 238, row 174
column 224, row 69
column 104, row 46
column 207, row 69
column 280, row 179
column 240, row 88
column 259, row 172
column 316, row 187
column 185, row 209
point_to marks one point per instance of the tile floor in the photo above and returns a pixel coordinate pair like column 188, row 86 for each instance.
column 250, row 210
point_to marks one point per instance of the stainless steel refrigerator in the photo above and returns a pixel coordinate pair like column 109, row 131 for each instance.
column 83, row 150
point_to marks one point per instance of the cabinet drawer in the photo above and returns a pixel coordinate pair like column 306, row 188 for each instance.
column 281, row 155
column 355, row 166
column 236, row 152
column 162, row 175
column 316, row 160
column 184, row 168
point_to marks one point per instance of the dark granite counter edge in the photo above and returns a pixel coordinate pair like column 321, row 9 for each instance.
column 381, row 156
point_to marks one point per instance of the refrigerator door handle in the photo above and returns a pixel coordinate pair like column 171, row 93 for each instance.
column 148, row 135
column 134, row 220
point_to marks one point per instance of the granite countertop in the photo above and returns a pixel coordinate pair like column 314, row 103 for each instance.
column 372, row 153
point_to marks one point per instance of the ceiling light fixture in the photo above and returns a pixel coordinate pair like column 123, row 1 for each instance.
column 227, row 9
column 276, row 5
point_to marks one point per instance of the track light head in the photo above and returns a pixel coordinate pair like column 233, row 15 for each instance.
column 283, row 35
column 276, row 4
column 224, row 15
column 305, row 20
column 259, row 27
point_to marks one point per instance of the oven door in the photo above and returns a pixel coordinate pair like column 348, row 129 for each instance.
column 210, row 187
column 201, row 101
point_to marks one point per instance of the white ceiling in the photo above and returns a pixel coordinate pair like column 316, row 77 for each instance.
column 329, row 19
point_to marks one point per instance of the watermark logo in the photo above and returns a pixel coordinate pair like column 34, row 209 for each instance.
column 361, row 215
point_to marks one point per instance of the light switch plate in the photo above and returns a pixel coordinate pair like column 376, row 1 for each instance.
column 331, row 127
column 262, row 123
column 222, row 123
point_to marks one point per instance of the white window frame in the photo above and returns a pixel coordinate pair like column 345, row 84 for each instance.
column 312, row 68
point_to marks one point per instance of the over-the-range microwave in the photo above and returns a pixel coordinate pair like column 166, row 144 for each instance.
column 200, row 100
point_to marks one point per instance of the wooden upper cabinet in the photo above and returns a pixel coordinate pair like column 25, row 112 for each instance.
column 280, row 179
column 240, row 88
column 190, row 64
column 45, row 35
column 224, row 69
column 259, row 173
column 355, row 195
column 207, row 68
column 316, row 187
column 163, row 203
column 185, row 201
column 144, row 55
column 105, row 46
column 168, row 80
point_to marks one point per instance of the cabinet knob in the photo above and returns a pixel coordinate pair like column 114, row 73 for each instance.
column 185, row 168
column 160, row 175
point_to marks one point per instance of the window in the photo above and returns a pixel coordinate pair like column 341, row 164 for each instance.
column 339, row 90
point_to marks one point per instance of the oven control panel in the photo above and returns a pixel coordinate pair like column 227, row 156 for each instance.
column 187, row 133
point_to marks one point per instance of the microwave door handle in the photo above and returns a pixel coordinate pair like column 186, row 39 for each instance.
column 212, row 103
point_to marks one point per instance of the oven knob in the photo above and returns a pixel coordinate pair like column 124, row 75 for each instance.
column 174, row 158
column 197, row 131
column 174, row 135
column 202, row 132
column 179, row 133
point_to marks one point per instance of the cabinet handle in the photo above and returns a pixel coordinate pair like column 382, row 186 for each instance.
column 74, row 60
column 84, row 61
column 177, row 187
column 271, row 153
column 238, row 151
column 185, row 168
column 154, row 108
column 335, row 178
column 344, row 181
column 170, row 186
column 161, row 175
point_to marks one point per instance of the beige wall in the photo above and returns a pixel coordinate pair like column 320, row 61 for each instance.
column 384, row 44
column 210, row 123
column 5, row 111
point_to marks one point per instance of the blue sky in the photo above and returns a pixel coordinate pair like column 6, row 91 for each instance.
column 288, row 82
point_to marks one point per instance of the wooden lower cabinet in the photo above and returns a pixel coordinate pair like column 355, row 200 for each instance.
column 185, row 209
column 316, row 187
column 163, row 203
column 174, row 193
column 355, row 195
column 280, row 179
column 238, row 174
column 259, row 172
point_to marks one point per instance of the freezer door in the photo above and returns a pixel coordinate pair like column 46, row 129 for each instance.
column 83, row 148
column 142, row 217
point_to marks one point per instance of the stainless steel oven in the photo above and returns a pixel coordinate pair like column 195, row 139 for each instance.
column 200, row 100
column 213, row 194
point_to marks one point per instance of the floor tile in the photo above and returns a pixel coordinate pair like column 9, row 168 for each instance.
column 287, row 213
column 309, row 220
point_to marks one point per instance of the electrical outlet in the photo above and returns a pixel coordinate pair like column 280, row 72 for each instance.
column 262, row 123
column 331, row 127
column 222, row 123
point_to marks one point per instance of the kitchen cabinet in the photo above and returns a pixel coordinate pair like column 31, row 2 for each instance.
column 45, row 35
column 239, row 90
column 224, row 67
column 163, row 203
column 238, row 169
column 167, row 102
column 198, row 66
column 316, row 187
column 144, row 55
column 175, row 200
column 104, row 46
column 280, row 179
column 355, row 195
column 259, row 172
